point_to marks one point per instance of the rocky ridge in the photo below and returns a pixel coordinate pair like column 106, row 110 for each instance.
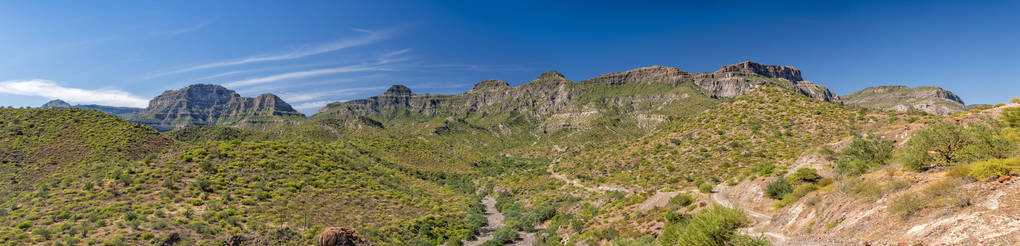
column 119, row 111
column 551, row 95
column 930, row 99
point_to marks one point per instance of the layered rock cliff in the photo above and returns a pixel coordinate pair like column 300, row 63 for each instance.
column 648, row 94
column 929, row 99
column 206, row 104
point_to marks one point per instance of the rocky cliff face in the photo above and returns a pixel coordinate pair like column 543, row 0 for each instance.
column 206, row 104
column 554, row 100
column 119, row 111
column 929, row 99
column 734, row 79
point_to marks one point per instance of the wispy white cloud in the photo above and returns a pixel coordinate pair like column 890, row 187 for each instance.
column 368, row 38
column 382, row 64
column 50, row 89
column 308, row 96
column 305, row 74
column 311, row 105
column 184, row 30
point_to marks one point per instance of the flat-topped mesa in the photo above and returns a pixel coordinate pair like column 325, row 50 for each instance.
column 771, row 71
column 398, row 91
column 209, row 104
column 733, row 80
column 490, row 84
column 645, row 75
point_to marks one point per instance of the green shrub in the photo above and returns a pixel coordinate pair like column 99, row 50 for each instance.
column 42, row 232
column 705, row 188
column 1010, row 117
column 942, row 194
column 862, row 155
column 709, row 227
column 805, row 174
column 24, row 225
column 680, row 200
column 778, row 188
column 203, row 184
column 984, row 143
column 797, row 193
column 993, row 168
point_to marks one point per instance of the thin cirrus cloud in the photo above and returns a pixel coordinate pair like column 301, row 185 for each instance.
column 52, row 90
column 180, row 31
column 311, row 105
column 302, row 97
column 382, row 64
column 370, row 37
column 310, row 100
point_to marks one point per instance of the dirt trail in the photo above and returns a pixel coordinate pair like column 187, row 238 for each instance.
column 495, row 219
column 760, row 219
column 577, row 183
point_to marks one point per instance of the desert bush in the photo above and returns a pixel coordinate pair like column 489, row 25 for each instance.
column 800, row 191
column 778, row 188
column 942, row 194
column 862, row 155
column 984, row 143
column 993, row 168
column 680, row 200
column 705, row 188
column 805, row 174
column 713, row 226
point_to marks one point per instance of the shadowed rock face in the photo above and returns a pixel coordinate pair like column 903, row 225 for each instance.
column 206, row 104
column 552, row 94
column 928, row 99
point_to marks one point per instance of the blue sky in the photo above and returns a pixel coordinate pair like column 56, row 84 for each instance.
column 313, row 52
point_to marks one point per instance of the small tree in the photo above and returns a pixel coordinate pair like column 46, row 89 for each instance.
column 863, row 154
column 938, row 146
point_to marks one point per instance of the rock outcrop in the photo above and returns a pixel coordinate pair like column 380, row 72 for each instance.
column 335, row 236
column 734, row 79
column 207, row 104
column 928, row 99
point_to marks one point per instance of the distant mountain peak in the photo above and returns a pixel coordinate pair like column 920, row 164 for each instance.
column 490, row 84
column 56, row 103
column 398, row 90
column 931, row 99
column 772, row 71
column 551, row 75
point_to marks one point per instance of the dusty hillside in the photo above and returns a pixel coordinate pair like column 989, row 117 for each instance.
column 892, row 205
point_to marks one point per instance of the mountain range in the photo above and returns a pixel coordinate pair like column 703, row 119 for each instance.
column 549, row 95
